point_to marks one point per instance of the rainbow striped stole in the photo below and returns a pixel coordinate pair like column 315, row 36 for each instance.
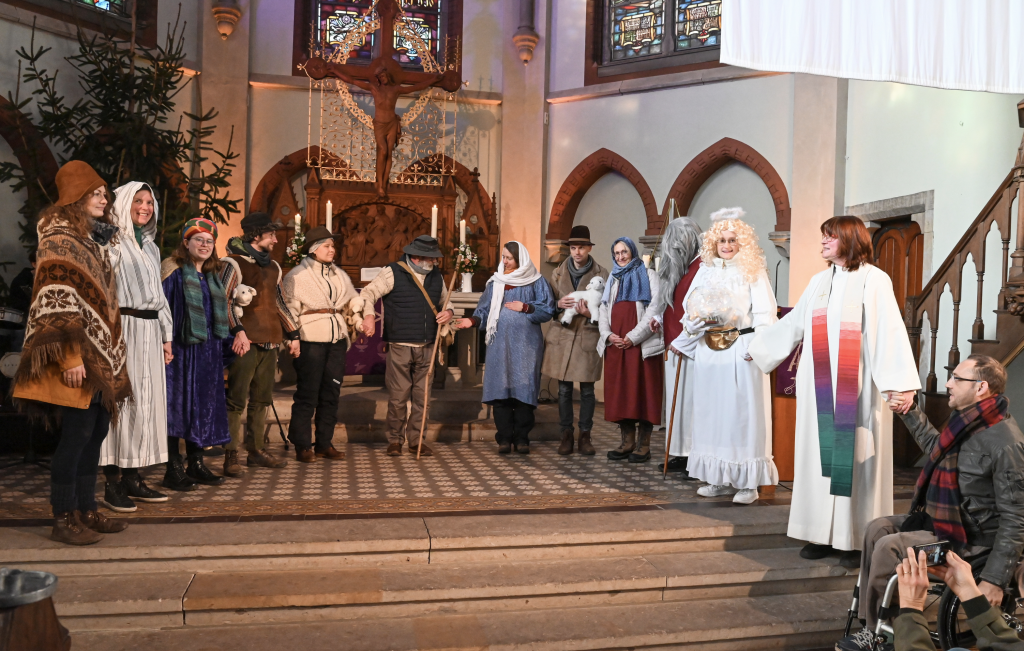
column 837, row 426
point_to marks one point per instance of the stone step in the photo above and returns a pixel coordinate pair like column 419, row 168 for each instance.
column 315, row 544
column 797, row 621
column 159, row 600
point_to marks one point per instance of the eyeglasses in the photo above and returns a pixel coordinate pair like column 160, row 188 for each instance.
column 203, row 242
column 957, row 378
column 825, row 239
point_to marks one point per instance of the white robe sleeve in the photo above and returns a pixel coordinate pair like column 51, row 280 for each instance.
column 763, row 310
column 772, row 345
column 885, row 337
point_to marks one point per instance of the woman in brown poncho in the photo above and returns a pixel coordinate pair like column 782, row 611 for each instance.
column 73, row 363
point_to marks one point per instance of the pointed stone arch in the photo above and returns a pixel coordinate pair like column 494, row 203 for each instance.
column 582, row 178
column 34, row 156
column 714, row 158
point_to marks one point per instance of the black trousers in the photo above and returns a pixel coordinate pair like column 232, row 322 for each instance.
column 320, row 368
column 514, row 420
column 75, row 463
column 588, row 403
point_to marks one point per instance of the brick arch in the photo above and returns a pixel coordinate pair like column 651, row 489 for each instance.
column 583, row 177
column 714, row 158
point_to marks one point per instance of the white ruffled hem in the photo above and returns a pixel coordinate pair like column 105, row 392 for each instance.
column 744, row 474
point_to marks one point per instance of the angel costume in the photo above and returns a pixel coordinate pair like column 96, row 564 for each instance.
column 731, row 397
column 855, row 347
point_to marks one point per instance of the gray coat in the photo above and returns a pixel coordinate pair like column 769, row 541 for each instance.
column 570, row 351
column 991, row 476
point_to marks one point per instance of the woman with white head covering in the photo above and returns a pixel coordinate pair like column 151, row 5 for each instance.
column 139, row 438
column 515, row 302
column 634, row 375
column 731, row 405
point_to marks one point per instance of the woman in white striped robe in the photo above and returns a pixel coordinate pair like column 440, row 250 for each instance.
column 140, row 437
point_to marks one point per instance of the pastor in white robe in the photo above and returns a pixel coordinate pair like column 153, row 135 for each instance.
column 886, row 364
column 731, row 407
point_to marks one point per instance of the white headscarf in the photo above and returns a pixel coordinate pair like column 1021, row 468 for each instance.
column 122, row 211
column 524, row 274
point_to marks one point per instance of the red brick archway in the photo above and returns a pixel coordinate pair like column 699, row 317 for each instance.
column 714, row 158
column 590, row 169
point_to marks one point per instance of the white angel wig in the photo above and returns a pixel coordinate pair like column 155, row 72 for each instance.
column 680, row 244
column 750, row 258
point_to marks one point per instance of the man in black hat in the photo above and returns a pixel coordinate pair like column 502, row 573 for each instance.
column 411, row 289
column 570, row 350
column 266, row 321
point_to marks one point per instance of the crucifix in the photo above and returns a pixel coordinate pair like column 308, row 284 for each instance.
column 386, row 81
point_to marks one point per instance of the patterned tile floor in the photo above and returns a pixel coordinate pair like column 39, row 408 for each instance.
column 460, row 477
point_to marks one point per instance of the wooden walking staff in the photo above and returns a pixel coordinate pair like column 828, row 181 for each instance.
column 671, row 418
column 433, row 358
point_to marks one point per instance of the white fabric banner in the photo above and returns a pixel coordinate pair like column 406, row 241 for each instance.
column 956, row 44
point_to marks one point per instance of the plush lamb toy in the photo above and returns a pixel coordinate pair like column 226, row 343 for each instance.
column 592, row 295
column 242, row 295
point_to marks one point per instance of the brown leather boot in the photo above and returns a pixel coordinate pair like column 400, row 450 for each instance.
column 330, row 453
column 585, row 446
column 642, row 453
column 395, row 450
column 425, row 452
column 264, row 459
column 305, row 455
column 567, row 442
column 628, row 433
column 231, row 465
column 100, row 523
column 68, row 530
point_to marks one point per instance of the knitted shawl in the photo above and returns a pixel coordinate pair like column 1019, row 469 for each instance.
column 74, row 302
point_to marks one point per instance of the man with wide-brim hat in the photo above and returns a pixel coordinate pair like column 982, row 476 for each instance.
column 570, row 350
column 318, row 292
column 264, row 324
column 411, row 289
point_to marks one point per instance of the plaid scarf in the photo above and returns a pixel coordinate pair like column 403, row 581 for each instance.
column 937, row 496
column 194, row 329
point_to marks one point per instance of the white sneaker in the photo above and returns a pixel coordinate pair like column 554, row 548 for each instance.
column 746, row 496
column 712, row 490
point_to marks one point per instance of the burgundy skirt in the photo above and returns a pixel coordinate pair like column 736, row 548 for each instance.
column 633, row 386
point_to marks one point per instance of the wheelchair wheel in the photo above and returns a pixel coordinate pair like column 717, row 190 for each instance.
column 951, row 621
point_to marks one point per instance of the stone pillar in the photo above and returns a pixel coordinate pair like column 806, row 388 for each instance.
column 224, row 86
column 523, row 128
column 818, row 188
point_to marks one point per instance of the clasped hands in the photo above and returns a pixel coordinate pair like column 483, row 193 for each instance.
column 367, row 327
column 912, row 577
column 900, row 402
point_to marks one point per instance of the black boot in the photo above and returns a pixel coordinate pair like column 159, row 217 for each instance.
column 642, row 453
column 175, row 477
column 197, row 470
column 116, row 498
column 628, row 432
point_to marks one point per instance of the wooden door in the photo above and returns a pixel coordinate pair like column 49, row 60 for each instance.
column 899, row 252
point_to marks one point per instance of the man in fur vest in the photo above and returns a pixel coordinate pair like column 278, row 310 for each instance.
column 265, row 322
column 570, row 351
column 411, row 290
column 680, row 259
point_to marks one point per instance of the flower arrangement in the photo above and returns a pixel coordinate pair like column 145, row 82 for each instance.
column 468, row 262
column 293, row 252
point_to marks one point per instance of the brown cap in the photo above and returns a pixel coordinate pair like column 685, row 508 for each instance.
column 75, row 180
column 579, row 235
column 317, row 234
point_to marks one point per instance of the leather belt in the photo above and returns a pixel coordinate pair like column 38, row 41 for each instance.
column 151, row 315
column 330, row 310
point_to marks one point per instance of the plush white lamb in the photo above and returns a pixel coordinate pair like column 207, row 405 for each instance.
column 592, row 295
column 242, row 295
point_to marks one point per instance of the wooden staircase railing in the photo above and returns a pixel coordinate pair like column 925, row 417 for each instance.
column 1008, row 339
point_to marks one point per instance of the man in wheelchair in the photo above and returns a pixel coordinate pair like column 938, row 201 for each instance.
column 970, row 491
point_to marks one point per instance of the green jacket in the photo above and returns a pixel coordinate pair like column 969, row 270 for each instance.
column 910, row 630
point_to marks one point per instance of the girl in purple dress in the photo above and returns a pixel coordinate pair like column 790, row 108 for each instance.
column 196, row 407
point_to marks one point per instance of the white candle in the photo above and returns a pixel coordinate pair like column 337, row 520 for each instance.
column 672, row 209
column 462, row 231
column 647, row 260
column 433, row 222
column 298, row 220
column 330, row 216
column 657, row 263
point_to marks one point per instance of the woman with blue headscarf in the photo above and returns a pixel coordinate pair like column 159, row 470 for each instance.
column 633, row 373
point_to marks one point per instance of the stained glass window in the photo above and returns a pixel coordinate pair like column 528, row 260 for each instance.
column 637, row 28
column 337, row 19
column 698, row 23
column 113, row 6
